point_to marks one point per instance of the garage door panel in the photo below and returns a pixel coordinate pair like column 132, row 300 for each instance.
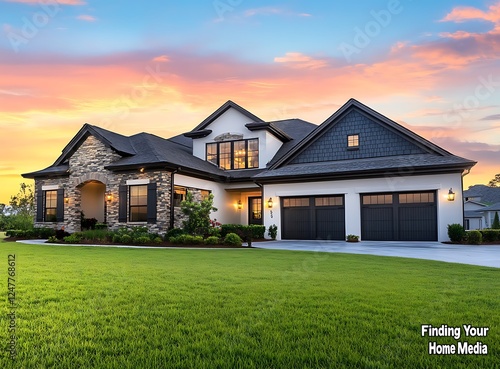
column 314, row 217
column 330, row 223
column 378, row 224
column 297, row 225
column 417, row 223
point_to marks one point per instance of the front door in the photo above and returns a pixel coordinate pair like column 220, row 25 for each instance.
column 255, row 210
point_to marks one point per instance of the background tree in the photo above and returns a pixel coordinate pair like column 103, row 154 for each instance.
column 23, row 202
column 496, row 222
column 495, row 182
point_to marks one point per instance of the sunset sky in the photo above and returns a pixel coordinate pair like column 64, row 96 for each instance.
column 432, row 66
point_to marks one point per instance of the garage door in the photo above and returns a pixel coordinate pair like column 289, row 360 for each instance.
column 311, row 218
column 399, row 217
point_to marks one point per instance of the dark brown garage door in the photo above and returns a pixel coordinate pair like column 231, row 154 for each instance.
column 311, row 218
column 399, row 217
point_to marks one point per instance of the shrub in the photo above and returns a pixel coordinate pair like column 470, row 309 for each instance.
column 496, row 222
column 97, row 235
column 490, row 235
column 142, row 240
column 174, row 232
column 126, row 239
column 474, row 238
column 246, row 232
column 52, row 239
column 157, row 240
column 89, row 223
column 456, row 232
column 74, row 238
column 101, row 226
column 352, row 238
column 232, row 239
column 117, row 238
column 212, row 240
column 44, row 232
column 273, row 231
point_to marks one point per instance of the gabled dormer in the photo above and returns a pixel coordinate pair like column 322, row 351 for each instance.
column 232, row 138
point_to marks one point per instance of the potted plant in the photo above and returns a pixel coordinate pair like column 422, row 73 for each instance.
column 352, row 238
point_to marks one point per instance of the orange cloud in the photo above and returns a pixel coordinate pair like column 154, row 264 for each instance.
column 462, row 14
column 299, row 60
column 161, row 59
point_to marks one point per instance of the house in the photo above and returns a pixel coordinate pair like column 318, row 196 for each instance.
column 481, row 204
column 356, row 173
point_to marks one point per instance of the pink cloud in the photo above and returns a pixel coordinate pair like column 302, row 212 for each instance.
column 462, row 14
column 273, row 11
column 161, row 59
column 86, row 18
column 299, row 60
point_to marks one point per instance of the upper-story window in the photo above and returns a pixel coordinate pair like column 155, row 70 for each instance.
column 241, row 154
column 353, row 141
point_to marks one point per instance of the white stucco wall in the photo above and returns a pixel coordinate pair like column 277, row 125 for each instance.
column 232, row 121
column 447, row 211
column 224, row 201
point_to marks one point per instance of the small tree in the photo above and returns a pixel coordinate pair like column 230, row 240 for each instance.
column 197, row 214
column 496, row 222
column 24, row 202
column 495, row 182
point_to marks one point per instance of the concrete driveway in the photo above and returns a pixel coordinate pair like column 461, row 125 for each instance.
column 463, row 254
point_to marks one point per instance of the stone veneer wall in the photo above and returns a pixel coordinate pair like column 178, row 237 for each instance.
column 86, row 164
column 178, row 216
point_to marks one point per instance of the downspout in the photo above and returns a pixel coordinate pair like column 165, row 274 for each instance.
column 172, row 213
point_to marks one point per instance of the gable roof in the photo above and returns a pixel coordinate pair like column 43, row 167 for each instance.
column 226, row 106
column 121, row 144
column 494, row 207
column 349, row 106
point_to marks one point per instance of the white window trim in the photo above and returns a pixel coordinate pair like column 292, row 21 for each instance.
column 50, row 187
column 135, row 182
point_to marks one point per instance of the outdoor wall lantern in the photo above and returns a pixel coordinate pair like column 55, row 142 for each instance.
column 270, row 203
column 451, row 195
column 66, row 200
column 240, row 205
column 141, row 170
column 109, row 197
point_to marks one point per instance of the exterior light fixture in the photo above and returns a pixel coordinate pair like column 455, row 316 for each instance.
column 66, row 200
column 141, row 170
column 451, row 195
column 109, row 197
column 270, row 203
column 240, row 205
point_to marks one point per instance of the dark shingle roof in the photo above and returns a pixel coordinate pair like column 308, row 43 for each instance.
column 472, row 214
column 366, row 166
column 49, row 171
column 494, row 207
column 486, row 194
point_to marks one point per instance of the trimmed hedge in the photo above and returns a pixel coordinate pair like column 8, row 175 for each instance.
column 490, row 235
column 474, row 238
column 42, row 233
column 456, row 232
column 255, row 231
column 232, row 239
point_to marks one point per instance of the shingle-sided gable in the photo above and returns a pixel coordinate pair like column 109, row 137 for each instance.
column 375, row 140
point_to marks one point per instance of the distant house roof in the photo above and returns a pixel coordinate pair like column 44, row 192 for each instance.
column 472, row 214
column 484, row 194
column 494, row 207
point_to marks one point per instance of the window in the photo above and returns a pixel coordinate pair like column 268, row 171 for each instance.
column 241, row 154
column 377, row 199
column 329, row 201
column 353, row 141
column 138, row 203
column 179, row 195
column 295, row 202
column 204, row 194
column 416, row 198
column 50, row 206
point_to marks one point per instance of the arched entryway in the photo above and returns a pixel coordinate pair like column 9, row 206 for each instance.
column 93, row 203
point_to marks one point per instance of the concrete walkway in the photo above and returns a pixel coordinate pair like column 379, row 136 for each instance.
column 474, row 255
column 463, row 254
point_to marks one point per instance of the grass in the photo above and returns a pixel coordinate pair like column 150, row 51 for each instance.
column 149, row 308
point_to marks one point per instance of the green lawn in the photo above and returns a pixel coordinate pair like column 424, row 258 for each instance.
column 83, row 307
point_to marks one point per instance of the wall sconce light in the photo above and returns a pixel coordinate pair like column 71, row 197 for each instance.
column 270, row 203
column 109, row 197
column 66, row 200
column 240, row 205
column 451, row 195
column 141, row 170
